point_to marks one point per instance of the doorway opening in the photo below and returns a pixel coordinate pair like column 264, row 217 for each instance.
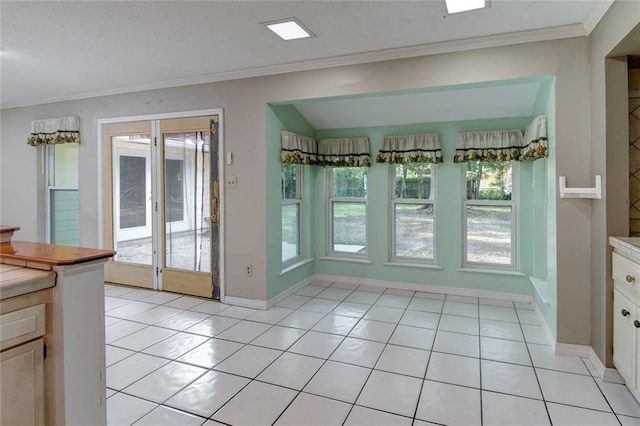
column 161, row 195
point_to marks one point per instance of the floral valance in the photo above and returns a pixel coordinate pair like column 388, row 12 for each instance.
column 55, row 131
column 345, row 152
column 298, row 149
column 536, row 144
column 421, row 148
column 498, row 145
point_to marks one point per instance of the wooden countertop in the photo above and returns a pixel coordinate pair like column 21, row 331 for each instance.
column 51, row 254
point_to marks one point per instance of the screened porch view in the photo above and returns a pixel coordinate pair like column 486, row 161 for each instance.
column 185, row 192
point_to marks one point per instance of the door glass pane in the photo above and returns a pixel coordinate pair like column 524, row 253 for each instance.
column 174, row 175
column 133, row 206
column 414, row 230
column 132, row 199
column 489, row 234
column 187, row 201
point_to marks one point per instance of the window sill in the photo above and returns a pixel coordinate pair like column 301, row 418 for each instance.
column 415, row 265
column 492, row 271
column 346, row 259
column 295, row 265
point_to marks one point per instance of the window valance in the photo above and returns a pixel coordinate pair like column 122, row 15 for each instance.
column 55, row 131
column 420, row 148
column 498, row 145
column 298, row 149
column 344, row 152
column 536, row 144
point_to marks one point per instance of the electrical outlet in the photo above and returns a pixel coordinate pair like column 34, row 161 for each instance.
column 231, row 182
column 248, row 270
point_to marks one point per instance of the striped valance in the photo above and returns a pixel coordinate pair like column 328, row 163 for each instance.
column 420, row 148
column 298, row 149
column 498, row 145
column 536, row 144
column 344, row 152
column 55, row 131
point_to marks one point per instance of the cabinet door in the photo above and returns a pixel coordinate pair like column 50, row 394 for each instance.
column 624, row 333
column 22, row 391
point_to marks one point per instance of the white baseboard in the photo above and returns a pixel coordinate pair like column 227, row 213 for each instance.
column 545, row 327
column 262, row 304
column 567, row 349
column 245, row 303
column 288, row 292
column 606, row 374
column 456, row 291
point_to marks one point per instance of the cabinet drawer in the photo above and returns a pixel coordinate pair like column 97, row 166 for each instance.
column 21, row 326
column 626, row 271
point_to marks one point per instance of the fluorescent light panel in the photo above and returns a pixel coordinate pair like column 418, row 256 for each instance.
column 288, row 29
column 456, row 6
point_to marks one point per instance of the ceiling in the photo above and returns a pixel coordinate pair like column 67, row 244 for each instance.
column 61, row 50
column 424, row 106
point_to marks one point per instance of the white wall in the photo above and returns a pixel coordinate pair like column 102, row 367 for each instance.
column 244, row 103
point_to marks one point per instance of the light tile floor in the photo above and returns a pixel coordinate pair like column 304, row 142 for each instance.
column 337, row 354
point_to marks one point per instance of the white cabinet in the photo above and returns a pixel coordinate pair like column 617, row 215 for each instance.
column 626, row 316
column 22, row 393
column 625, row 338
column 22, row 377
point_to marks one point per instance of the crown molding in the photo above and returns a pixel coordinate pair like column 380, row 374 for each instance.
column 597, row 13
column 506, row 39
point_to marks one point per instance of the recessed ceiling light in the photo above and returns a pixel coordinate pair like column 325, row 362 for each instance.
column 455, row 6
column 289, row 29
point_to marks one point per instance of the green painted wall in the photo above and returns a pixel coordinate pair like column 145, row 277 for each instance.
column 535, row 180
column 285, row 117
column 549, row 309
column 450, row 193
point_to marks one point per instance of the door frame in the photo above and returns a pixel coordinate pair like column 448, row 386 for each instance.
column 221, row 175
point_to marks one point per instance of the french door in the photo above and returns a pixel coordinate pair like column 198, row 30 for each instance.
column 161, row 202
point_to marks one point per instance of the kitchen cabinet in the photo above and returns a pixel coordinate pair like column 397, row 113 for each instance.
column 25, row 329
column 626, row 311
column 23, row 389
column 52, row 297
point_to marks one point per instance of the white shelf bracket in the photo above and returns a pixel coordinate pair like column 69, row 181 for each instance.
column 594, row 193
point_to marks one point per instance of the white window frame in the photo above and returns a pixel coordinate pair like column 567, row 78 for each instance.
column 360, row 200
column 50, row 169
column 294, row 201
column 423, row 201
column 513, row 266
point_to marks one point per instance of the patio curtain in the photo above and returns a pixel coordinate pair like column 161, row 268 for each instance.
column 344, row 152
column 420, row 148
column 498, row 145
column 536, row 144
column 505, row 145
column 298, row 149
column 55, row 131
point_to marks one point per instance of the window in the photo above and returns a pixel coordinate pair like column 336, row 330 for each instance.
column 348, row 210
column 63, row 208
column 291, row 182
column 413, row 210
column 489, row 215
